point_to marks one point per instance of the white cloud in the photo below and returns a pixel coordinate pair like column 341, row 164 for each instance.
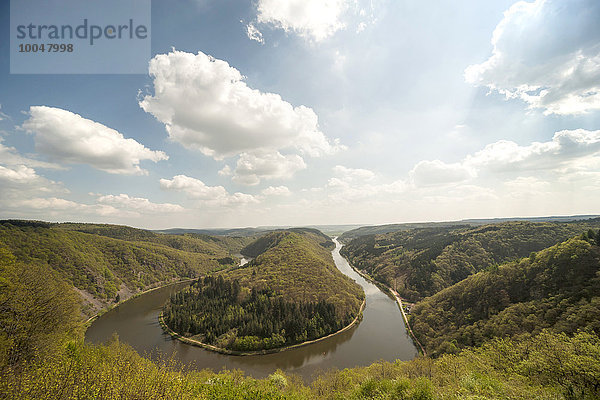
column 138, row 204
column 113, row 206
column 569, row 152
column 254, row 34
column 497, row 180
column 18, row 174
column 21, row 181
column 546, row 53
column 225, row 171
column 312, row 19
column 52, row 203
column 354, row 184
column 352, row 174
column 70, row 138
column 252, row 167
column 206, row 105
column 565, row 150
column 2, row 115
column 194, row 188
column 55, row 207
column 238, row 199
column 10, row 156
column 211, row 195
column 276, row 191
column 437, row 172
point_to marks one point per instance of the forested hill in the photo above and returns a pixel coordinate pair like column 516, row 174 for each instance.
column 106, row 263
column 348, row 235
column 421, row 262
column 298, row 264
column 556, row 289
column 291, row 292
column 272, row 239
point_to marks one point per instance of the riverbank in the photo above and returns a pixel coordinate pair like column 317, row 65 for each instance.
column 395, row 296
column 113, row 306
column 221, row 350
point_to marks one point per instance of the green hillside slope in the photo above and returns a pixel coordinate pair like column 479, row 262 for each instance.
column 104, row 263
column 557, row 288
column 421, row 262
column 298, row 264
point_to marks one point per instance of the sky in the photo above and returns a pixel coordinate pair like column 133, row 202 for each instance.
column 303, row 112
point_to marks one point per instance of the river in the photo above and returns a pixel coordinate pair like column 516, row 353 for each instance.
column 381, row 335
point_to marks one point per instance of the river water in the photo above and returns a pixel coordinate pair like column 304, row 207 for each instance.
column 381, row 335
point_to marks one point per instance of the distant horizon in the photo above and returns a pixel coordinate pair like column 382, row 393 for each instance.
column 283, row 226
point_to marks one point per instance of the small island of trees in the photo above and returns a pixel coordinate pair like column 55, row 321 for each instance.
column 224, row 314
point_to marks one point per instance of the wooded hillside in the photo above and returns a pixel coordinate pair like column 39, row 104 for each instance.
column 421, row 262
column 557, row 289
column 106, row 263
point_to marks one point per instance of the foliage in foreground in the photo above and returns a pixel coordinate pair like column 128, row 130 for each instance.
column 547, row 366
column 38, row 311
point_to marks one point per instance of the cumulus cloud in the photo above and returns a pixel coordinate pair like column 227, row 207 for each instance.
column 18, row 174
column 206, row 105
column 252, row 167
column 352, row 174
column 195, row 188
column 504, row 174
column 276, row 191
column 21, row 181
column 69, row 138
column 313, row 19
column 138, row 204
column 569, row 152
column 254, row 34
column 51, row 203
column 55, row 207
column 546, row 53
column 212, row 195
column 565, row 150
column 10, row 156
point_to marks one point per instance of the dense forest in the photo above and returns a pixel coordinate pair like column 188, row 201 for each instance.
column 556, row 289
column 42, row 353
column 221, row 313
column 421, row 262
column 108, row 263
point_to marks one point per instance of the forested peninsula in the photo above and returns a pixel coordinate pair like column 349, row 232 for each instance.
column 291, row 292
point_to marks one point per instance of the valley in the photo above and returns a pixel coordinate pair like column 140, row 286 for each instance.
column 493, row 303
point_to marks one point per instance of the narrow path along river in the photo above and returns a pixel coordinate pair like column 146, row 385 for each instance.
column 380, row 336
